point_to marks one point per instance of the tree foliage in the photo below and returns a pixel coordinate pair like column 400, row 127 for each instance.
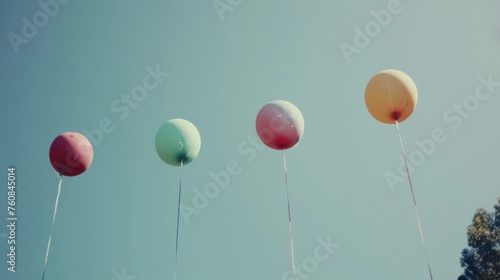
column 481, row 261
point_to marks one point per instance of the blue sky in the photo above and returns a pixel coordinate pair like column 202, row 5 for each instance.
column 216, row 65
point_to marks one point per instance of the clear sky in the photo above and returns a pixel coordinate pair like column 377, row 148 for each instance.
column 74, row 67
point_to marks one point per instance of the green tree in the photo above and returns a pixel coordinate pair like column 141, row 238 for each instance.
column 481, row 261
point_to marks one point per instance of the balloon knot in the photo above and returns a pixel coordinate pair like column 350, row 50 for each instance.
column 395, row 115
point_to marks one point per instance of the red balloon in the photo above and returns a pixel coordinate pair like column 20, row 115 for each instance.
column 280, row 125
column 71, row 154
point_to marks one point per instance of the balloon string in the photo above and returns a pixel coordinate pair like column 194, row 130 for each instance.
column 289, row 216
column 52, row 228
column 178, row 216
column 414, row 201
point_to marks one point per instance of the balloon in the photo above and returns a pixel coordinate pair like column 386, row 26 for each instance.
column 280, row 125
column 177, row 141
column 391, row 96
column 71, row 154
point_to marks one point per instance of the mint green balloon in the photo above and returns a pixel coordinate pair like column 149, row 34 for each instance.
column 177, row 142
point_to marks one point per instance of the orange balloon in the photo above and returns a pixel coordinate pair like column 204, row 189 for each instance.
column 391, row 96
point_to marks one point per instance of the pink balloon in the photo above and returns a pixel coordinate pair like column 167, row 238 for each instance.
column 71, row 154
column 280, row 125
